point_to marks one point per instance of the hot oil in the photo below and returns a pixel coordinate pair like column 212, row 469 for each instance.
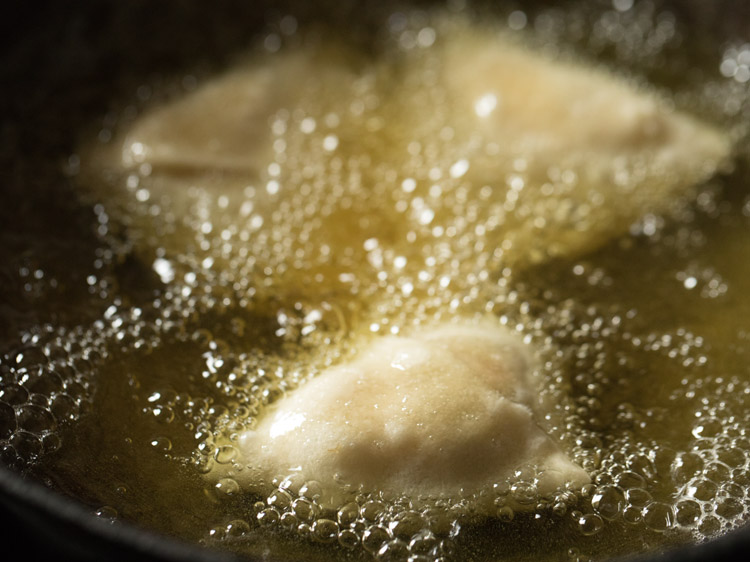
column 245, row 290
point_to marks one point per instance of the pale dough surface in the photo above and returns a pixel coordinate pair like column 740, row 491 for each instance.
column 226, row 124
column 443, row 413
column 574, row 155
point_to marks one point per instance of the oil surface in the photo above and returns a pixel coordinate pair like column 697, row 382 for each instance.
column 163, row 325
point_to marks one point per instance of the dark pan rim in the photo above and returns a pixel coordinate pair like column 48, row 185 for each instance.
column 33, row 500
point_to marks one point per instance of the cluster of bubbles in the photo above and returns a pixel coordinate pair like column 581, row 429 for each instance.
column 263, row 286
column 45, row 383
column 383, row 527
column 638, row 478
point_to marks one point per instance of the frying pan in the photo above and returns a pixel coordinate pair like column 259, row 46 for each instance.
column 75, row 57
